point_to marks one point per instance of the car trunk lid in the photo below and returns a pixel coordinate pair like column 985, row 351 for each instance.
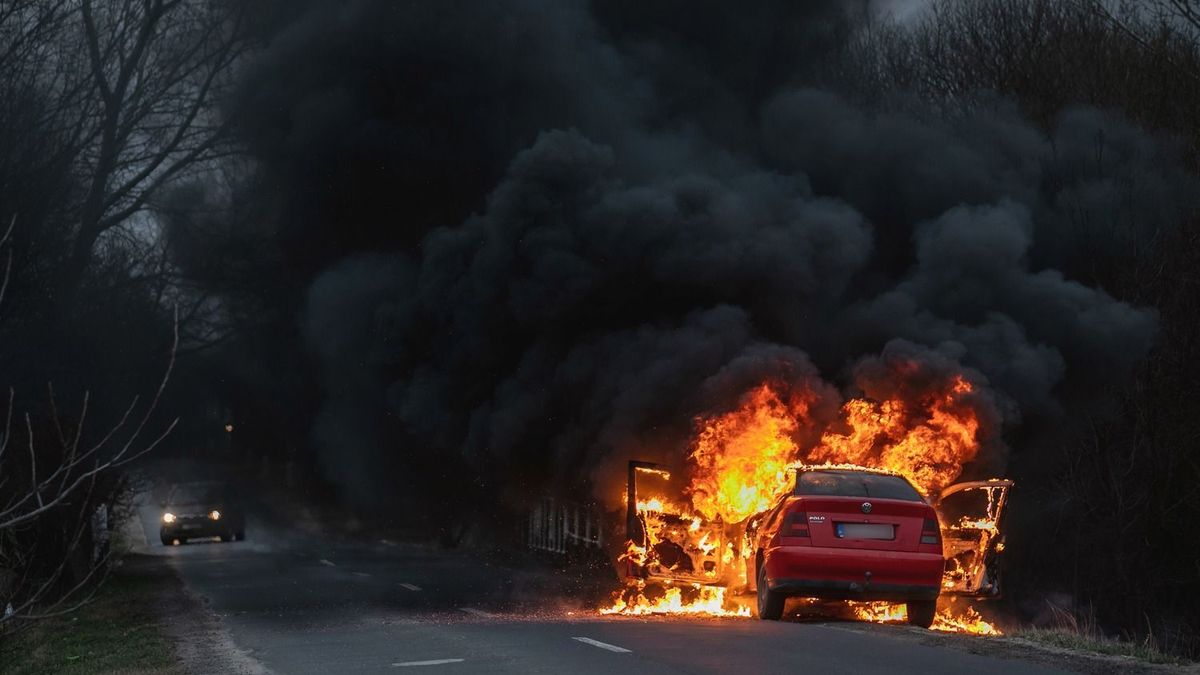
column 865, row 523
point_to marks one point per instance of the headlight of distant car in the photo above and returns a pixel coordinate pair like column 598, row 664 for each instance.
column 214, row 514
column 168, row 517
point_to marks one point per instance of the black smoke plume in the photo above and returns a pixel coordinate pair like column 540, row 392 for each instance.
column 536, row 238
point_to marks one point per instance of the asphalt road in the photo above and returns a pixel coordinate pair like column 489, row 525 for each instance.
column 298, row 603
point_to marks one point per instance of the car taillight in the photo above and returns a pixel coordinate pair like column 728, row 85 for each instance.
column 796, row 524
column 930, row 533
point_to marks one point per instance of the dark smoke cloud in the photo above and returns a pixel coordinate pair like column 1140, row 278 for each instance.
column 976, row 219
column 972, row 285
column 1098, row 188
column 908, row 371
column 342, row 306
column 376, row 121
column 609, row 220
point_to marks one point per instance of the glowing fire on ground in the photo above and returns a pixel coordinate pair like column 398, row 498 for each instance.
column 741, row 462
column 965, row 620
column 702, row 600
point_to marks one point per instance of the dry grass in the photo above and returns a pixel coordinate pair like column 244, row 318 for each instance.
column 1080, row 632
column 119, row 632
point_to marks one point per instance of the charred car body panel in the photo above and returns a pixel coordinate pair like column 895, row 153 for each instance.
column 667, row 546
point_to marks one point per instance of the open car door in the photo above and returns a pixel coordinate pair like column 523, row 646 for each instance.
column 972, row 516
column 667, row 543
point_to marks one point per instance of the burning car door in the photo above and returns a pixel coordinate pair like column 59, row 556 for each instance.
column 665, row 541
column 972, row 514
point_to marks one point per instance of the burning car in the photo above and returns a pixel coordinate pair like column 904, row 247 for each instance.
column 778, row 488
column 840, row 532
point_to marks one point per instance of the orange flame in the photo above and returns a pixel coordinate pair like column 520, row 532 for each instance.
column 741, row 458
column 705, row 600
column 965, row 620
column 928, row 440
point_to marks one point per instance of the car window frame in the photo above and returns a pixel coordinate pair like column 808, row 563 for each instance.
column 844, row 474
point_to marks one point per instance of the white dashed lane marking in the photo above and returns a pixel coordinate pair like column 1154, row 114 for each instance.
column 434, row 662
column 326, row 562
column 476, row 612
column 844, row 630
column 411, row 587
column 603, row 645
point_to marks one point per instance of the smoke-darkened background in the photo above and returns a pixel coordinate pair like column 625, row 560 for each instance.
column 467, row 253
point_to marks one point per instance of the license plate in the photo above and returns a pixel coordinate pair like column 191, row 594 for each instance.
column 866, row 531
column 191, row 527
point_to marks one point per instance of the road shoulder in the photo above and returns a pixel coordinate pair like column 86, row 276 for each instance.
column 120, row 630
column 143, row 620
column 201, row 642
column 1021, row 649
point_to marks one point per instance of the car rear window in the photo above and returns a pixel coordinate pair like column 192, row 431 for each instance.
column 855, row 484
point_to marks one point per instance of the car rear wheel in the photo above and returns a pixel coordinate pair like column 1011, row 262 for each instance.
column 921, row 612
column 770, row 603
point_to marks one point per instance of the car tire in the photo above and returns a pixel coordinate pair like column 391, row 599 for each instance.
column 240, row 535
column 770, row 603
column 921, row 612
column 166, row 541
column 227, row 538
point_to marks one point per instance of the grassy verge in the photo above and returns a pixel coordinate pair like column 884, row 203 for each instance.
column 1068, row 639
column 119, row 632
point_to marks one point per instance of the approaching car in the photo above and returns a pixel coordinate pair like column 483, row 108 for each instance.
column 849, row 534
column 194, row 510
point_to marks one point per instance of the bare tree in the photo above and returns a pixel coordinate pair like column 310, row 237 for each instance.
column 33, row 493
column 157, row 69
column 25, row 26
column 1161, row 27
column 1141, row 58
column 129, row 90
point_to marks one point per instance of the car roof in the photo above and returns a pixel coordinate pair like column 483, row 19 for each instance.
column 845, row 468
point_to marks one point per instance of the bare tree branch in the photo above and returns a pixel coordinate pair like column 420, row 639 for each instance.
column 18, row 510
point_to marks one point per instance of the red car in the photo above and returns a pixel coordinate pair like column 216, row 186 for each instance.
column 849, row 534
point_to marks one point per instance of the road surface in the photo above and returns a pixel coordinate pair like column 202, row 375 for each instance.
column 298, row 603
